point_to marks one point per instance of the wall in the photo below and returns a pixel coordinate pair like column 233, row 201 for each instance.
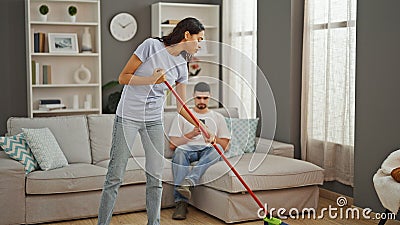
column 280, row 25
column 13, row 90
column 377, row 88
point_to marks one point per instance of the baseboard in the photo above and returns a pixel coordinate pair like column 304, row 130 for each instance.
column 333, row 196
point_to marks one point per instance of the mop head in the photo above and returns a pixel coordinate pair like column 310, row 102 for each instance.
column 273, row 221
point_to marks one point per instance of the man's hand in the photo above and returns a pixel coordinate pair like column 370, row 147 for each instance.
column 158, row 76
column 196, row 131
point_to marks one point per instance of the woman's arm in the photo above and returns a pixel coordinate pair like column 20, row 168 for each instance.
column 126, row 76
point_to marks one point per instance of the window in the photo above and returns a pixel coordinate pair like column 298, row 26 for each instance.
column 329, row 86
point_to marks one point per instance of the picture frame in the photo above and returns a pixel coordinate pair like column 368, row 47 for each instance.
column 63, row 43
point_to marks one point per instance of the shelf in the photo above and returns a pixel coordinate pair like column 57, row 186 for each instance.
column 68, row 1
column 66, row 111
column 63, row 23
column 63, row 85
column 204, row 55
column 66, row 54
column 173, row 25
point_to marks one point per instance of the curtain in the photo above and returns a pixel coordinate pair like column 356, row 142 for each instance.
column 328, row 87
column 239, row 53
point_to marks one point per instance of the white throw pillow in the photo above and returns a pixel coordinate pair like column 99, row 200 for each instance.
column 45, row 148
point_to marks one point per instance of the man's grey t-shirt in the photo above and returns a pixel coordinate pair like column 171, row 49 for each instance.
column 145, row 102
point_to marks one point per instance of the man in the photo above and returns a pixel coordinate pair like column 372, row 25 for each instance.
column 189, row 145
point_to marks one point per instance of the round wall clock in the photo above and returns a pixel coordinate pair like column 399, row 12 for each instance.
column 123, row 26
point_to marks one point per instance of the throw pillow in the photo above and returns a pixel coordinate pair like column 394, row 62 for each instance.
column 17, row 148
column 45, row 148
column 243, row 136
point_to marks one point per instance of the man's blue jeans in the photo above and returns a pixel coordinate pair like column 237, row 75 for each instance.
column 124, row 133
column 183, row 156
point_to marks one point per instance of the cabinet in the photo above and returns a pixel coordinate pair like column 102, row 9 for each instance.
column 208, row 58
column 78, row 90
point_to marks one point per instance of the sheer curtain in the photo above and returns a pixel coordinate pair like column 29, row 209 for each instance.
column 239, row 55
column 328, row 87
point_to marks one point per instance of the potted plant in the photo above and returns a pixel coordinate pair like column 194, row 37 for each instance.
column 43, row 10
column 72, row 11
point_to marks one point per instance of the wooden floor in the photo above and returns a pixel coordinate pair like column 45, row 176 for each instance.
column 198, row 217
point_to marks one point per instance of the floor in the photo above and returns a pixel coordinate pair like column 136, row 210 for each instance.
column 197, row 217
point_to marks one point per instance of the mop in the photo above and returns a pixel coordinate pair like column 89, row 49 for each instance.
column 268, row 220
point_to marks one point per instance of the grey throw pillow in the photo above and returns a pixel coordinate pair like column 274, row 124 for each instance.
column 45, row 148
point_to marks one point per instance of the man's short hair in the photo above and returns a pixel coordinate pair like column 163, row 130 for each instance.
column 202, row 87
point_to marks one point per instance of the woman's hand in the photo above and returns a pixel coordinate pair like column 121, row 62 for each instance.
column 211, row 138
column 158, row 76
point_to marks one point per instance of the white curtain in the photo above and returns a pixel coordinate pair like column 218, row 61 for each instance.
column 239, row 53
column 328, row 87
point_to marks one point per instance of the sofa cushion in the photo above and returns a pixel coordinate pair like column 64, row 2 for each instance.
column 274, row 147
column 45, row 148
column 135, row 173
column 100, row 133
column 274, row 172
column 17, row 148
column 243, row 136
column 71, row 133
column 72, row 178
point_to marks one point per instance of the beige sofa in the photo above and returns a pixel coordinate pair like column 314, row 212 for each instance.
column 74, row 191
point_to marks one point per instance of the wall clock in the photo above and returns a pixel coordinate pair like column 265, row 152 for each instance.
column 123, row 26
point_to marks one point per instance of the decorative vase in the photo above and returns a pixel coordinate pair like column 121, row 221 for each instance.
column 82, row 75
column 43, row 18
column 86, row 41
column 72, row 19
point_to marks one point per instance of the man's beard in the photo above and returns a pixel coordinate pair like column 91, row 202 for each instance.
column 201, row 106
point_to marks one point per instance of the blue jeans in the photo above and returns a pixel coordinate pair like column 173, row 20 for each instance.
column 124, row 133
column 183, row 156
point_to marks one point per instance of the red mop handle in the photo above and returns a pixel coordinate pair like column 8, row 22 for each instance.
column 216, row 147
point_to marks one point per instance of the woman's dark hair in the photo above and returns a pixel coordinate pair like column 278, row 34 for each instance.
column 190, row 24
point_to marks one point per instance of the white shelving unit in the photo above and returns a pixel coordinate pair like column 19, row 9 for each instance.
column 209, row 57
column 63, row 65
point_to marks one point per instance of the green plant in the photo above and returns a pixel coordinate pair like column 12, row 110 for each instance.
column 44, row 9
column 113, row 98
column 72, row 10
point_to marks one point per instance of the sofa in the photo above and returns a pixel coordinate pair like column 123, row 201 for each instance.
column 73, row 191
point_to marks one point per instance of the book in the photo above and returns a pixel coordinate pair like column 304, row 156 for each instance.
column 36, row 42
column 42, row 42
column 39, row 41
column 37, row 73
column 49, row 101
column 33, row 65
column 47, row 74
column 49, row 107
column 171, row 22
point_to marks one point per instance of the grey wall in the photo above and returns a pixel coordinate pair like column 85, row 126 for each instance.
column 377, row 93
column 114, row 54
column 280, row 25
column 13, row 95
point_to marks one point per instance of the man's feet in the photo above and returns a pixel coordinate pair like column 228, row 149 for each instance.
column 180, row 211
column 185, row 189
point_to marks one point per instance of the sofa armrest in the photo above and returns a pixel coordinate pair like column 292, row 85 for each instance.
column 274, row 147
column 12, row 191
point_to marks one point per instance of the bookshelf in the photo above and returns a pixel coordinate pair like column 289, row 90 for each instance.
column 208, row 57
column 63, row 65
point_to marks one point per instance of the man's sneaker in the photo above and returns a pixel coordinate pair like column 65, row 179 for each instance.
column 185, row 189
column 180, row 211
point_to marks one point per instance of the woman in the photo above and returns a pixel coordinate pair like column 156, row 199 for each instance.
column 140, row 109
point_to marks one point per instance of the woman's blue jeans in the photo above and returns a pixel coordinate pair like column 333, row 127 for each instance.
column 124, row 133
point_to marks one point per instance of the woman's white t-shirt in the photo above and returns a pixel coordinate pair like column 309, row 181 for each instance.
column 145, row 102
